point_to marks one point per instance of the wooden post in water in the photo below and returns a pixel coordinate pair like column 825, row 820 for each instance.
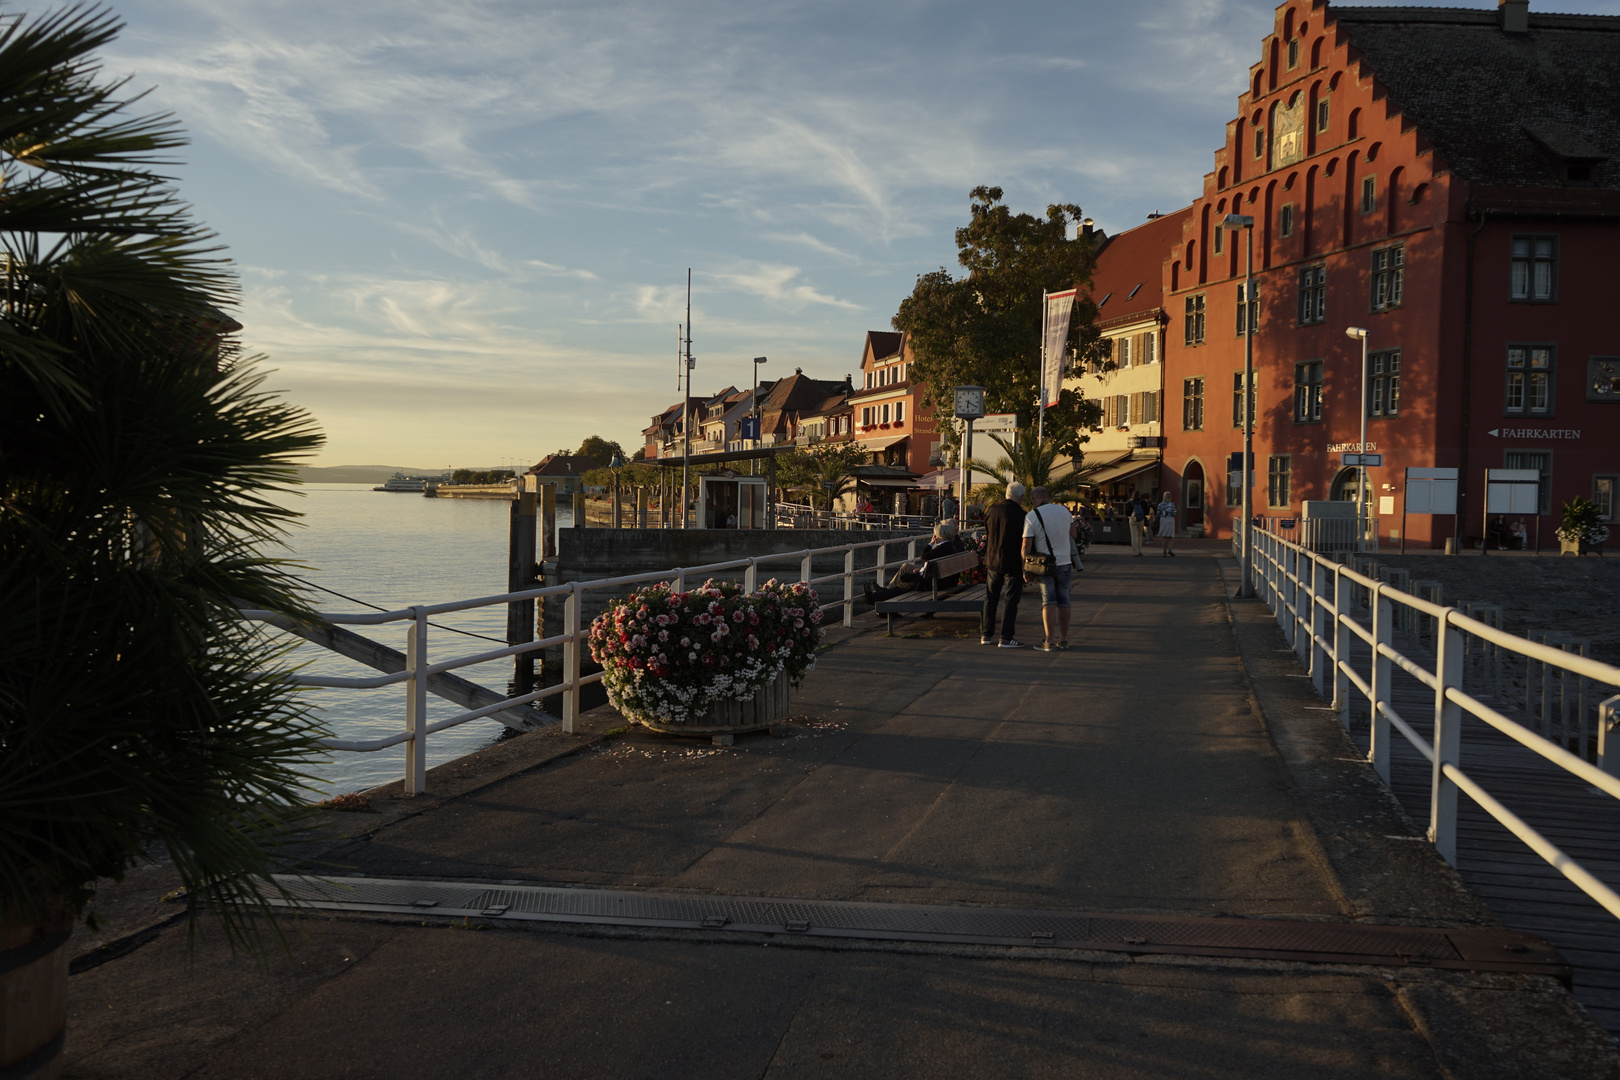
column 579, row 510
column 641, row 507
column 546, row 505
column 522, row 572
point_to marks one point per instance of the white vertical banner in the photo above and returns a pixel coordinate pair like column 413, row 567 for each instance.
column 1054, row 342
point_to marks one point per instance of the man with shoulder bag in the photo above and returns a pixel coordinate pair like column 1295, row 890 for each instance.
column 1048, row 560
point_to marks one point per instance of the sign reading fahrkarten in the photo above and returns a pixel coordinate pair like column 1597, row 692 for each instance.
column 1534, row 433
column 1350, row 447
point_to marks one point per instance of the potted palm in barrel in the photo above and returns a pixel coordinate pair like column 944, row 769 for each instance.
column 138, row 714
column 1581, row 530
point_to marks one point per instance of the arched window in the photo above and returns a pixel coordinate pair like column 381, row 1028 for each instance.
column 1276, row 49
column 1372, row 151
column 1220, row 184
column 1355, row 124
column 1316, row 54
column 1391, row 199
column 1258, row 75
column 1288, row 24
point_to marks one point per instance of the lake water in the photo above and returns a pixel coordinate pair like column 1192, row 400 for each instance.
column 395, row 549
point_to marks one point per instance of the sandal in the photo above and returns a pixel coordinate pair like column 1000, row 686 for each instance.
column 1063, row 646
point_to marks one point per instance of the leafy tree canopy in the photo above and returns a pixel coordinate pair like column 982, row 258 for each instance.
column 601, row 450
column 984, row 328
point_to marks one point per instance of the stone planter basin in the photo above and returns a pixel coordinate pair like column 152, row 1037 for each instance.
column 768, row 706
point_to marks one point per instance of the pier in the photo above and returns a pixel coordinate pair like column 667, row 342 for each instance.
column 1144, row 857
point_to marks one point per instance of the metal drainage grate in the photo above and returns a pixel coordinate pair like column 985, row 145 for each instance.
column 1190, row 935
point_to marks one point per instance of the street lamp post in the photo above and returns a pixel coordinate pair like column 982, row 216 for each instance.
column 1361, row 448
column 616, row 465
column 1246, row 302
column 753, row 465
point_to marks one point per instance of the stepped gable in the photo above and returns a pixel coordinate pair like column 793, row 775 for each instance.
column 1501, row 109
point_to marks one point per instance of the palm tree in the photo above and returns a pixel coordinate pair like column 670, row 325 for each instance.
column 139, row 462
column 1030, row 461
column 834, row 479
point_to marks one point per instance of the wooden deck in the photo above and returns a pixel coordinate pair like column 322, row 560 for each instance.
column 1522, row 890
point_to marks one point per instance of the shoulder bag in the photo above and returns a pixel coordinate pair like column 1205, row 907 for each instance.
column 1040, row 563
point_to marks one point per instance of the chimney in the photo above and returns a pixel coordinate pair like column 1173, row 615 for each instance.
column 1086, row 226
column 1515, row 16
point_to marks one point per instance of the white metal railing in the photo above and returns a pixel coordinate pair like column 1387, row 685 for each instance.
column 801, row 516
column 573, row 638
column 1314, row 599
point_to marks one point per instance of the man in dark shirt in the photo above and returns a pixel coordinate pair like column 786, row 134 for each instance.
column 1004, row 566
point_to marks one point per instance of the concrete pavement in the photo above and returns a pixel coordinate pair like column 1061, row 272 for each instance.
column 1133, row 773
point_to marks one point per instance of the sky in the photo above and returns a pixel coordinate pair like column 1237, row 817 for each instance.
column 463, row 227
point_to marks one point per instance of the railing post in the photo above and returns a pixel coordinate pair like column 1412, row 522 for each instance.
column 1341, row 649
column 882, row 561
column 571, row 659
column 1318, row 665
column 804, row 568
column 416, row 703
column 751, row 575
column 1378, row 739
column 680, row 580
column 1608, row 754
column 911, row 551
column 1447, row 741
column 849, row 586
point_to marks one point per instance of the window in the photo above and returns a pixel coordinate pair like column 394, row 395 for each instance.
column 1535, row 264
column 1259, row 142
column 866, row 417
column 1384, row 384
column 1237, row 400
column 1369, row 194
column 1312, row 295
column 886, row 414
column 1308, row 392
column 1220, row 244
column 1322, row 115
column 1541, row 461
column 1195, row 320
column 1529, row 380
column 1124, row 350
column 1145, row 407
column 1192, row 404
column 1150, row 350
column 1293, row 54
column 1278, row 470
column 1388, row 277
column 1603, row 488
column 1287, row 219
column 899, row 412
column 1252, row 308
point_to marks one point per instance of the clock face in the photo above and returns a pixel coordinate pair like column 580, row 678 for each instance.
column 969, row 402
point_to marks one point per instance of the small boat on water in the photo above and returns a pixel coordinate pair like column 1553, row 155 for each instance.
column 414, row 484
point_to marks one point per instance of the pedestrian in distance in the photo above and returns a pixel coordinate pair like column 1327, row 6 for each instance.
column 1003, row 567
column 1048, row 560
column 1138, row 511
column 1166, row 513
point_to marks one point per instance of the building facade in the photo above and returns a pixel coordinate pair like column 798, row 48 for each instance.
column 1448, row 181
column 890, row 420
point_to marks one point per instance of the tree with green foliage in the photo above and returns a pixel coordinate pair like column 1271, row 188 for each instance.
column 1030, row 461
column 142, row 463
column 984, row 328
column 600, row 450
column 806, row 472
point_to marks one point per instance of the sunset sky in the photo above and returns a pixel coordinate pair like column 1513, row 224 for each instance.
column 463, row 228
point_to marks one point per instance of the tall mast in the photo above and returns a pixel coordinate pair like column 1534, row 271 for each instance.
column 686, row 410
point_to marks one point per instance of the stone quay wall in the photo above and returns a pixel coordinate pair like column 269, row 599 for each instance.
column 593, row 554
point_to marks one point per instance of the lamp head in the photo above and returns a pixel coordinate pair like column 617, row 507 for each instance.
column 759, row 359
column 1238, row 221
column 616, row 463
column 1355, row 332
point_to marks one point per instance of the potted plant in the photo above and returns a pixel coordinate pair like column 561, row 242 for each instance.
column 710, row 659
column 138, row 713
column 1582, row 529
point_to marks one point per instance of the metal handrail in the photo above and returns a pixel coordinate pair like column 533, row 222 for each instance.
column 1292, row 580
column 418, row 670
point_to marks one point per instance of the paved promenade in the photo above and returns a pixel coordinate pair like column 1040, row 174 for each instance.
column 1141, row 771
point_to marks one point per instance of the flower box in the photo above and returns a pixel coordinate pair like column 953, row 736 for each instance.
column 1578, row 547
column 713, row 659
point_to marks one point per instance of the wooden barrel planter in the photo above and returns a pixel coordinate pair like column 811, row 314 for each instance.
column 768, row 706
column 33, row 998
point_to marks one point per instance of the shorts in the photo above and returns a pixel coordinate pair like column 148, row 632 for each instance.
column 1055, row 586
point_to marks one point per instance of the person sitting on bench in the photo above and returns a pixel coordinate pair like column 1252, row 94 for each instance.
column 910, row 575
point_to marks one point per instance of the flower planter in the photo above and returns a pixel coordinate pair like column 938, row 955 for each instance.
column 33, row 999
column 1578, row 547
column 770, row 705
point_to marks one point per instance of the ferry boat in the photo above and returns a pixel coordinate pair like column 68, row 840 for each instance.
column 414, row 484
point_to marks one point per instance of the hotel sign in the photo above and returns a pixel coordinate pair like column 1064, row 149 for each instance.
column 1534, row 433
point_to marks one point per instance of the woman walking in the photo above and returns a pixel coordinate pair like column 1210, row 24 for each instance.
column 1165, row 513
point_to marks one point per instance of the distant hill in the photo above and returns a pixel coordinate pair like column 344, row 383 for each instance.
column 357, row 474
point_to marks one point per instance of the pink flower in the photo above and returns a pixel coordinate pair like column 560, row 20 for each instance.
column 663, row 635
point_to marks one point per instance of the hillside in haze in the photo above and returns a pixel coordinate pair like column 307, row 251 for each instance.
column 357, row 474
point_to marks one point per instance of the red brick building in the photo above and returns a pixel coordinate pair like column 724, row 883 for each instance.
column 891, row 421
column 1448, row 180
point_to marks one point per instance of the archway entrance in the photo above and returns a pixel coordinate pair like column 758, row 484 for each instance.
column 1346, row 486
column 1192, row 495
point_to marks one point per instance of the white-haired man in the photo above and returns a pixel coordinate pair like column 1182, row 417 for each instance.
column 1049, row 529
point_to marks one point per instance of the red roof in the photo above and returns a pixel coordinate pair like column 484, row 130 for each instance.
column 1129, row 276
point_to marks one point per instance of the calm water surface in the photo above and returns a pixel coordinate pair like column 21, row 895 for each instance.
column 395, row 549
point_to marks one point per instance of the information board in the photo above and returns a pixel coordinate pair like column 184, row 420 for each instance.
column 1431, row 491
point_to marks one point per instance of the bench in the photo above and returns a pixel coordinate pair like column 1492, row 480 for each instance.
column 924, row 601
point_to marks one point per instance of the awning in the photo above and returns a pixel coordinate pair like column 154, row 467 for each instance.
column 887, row 482
column 1132, row 465
column 882, row 443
